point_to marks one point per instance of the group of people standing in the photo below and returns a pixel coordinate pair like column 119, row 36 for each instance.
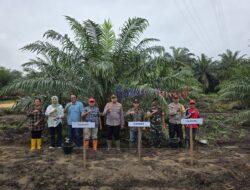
column 115, row 118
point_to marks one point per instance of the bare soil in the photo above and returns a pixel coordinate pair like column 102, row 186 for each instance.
column 226, row 166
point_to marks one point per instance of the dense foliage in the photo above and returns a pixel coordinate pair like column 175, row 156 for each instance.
column 97, row 60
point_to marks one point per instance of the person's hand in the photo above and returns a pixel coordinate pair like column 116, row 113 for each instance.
column 53, row 111
column 122, row 127
column 36, row 123
column 154, row 112
column 148, row 114
column 35, row 111
column 164, row 126
column 132, row 112
column 87, row 113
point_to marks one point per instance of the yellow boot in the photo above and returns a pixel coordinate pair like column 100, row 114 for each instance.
column 39, row 143
column 86, row 144
column 95, row 142
column 33, row 144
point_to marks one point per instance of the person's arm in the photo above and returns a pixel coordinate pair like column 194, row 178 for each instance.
column 100, row 123
column 198, row 114
column 149, row 114
column 105, row 109
column 67, row 107
column 182, row 110
column 48, row 111
column 30, row 112
column 85, row 112
column 42, row 119
column 81, row 108
column 163, row 119
column 122, row 117
column 127, row 113
column 99, row 119
column 61, row 113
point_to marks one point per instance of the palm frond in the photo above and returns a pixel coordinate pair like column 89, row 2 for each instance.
column 130, row 33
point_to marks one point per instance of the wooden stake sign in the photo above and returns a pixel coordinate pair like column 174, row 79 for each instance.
column 190, row 122
column 139, row 125
column 83, row 125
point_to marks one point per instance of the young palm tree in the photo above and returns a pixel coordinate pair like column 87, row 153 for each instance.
column 237, row 88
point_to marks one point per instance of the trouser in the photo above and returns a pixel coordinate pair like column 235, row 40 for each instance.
column 90, row 133
column 36, row 134
column 56, row 131
column 176, row 130
column 75, row 135
column 133, row 134
column 187, row 133
column 113, row 131
column 155, row 135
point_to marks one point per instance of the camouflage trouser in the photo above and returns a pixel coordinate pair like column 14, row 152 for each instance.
column 155, row 135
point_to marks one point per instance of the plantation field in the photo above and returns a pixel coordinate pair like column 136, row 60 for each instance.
column 221, row 165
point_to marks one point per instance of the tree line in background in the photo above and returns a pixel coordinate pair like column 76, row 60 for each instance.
column 96, row 60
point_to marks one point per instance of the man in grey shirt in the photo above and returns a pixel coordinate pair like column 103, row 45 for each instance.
column 113, row 112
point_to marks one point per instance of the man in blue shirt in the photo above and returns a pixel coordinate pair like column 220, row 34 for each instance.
column 74, row 111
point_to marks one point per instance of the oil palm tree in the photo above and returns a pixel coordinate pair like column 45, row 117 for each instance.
column 229, row 60
column 180, row 57
column 91, row 64
column 204, row 69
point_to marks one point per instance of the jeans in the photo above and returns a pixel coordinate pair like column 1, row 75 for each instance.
column 133, row 134
column 56, row 131
column 75, row 135
column 187, row 133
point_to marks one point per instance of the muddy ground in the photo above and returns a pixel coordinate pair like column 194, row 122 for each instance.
column 215, row 167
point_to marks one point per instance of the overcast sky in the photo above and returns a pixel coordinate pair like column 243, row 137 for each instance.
column 203, row 26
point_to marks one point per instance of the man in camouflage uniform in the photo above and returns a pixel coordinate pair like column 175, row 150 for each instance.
column 136, row 113
column 157, row 123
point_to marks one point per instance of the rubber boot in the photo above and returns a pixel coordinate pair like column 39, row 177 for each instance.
column 95, row 142
column 33, row 144
column 117, row 143
column 39, row 143
column 109, row 143
column 86, row 144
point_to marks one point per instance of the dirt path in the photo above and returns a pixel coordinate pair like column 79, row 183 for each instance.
column 216, row 168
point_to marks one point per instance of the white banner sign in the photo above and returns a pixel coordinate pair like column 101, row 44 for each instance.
column 83, row 124
column 139, row 124
column 197, row 121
